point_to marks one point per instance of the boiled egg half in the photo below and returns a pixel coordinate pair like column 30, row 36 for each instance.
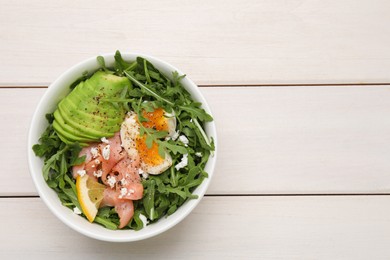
column 135, row 145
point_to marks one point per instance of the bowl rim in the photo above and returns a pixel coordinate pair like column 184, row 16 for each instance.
column 189, row 205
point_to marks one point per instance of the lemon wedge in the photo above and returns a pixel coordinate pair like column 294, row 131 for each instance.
column 90, row 194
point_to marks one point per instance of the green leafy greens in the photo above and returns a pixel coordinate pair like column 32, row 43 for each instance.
column 164, row 193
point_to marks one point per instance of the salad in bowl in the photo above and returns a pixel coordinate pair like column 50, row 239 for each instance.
column 128, row 145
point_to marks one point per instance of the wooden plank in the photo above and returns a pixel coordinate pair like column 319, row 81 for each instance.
column 214, row 42
column 276, row 140
column 346, row 227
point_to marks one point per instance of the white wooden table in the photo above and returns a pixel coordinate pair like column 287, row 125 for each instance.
column 300, row 91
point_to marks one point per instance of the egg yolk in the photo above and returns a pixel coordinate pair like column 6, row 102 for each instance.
column 156, row 120
column 148, row 156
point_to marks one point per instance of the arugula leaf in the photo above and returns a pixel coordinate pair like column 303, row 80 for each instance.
column 79, row 160
column 154, row 73
column 147, row 90
column 101, row 61
column 174, row 177
column 177, row 191
column 148, row 200
column 85, row 75
column 147, row 73
column 52, row 163
column 174, row 148
column 149, row 141
column 197, row 112
column 106, row 222
column 203, row 138
column 136, row 222
column 49, row 143
column 121, row 65
column 49, row 117
column 72, row 196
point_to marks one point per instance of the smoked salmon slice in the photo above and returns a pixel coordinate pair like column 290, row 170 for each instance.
column 109, row 162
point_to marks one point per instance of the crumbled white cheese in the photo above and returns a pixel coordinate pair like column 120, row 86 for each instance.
column 94, row 152
column 81, row 172
column 111, row 181
column 175, row 135
column 106, row 152
column 145, row 175
column 123, row 192
column 124, row 181
column 76, row 211
column 183, row 163
column 104, row 140
column 199, row 154
column 143, row 219
column 98, row 173
column 131, row 191
column 184, row 140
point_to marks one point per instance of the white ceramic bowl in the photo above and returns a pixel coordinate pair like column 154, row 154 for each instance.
column 59, row 89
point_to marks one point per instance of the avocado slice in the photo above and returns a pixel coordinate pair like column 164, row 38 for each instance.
column 84, row 116
column 68, row 106
column 97, row 133
column 71, row 132
column 88, row 117
column 90, row 98
column 67, row 135
column 65, row 140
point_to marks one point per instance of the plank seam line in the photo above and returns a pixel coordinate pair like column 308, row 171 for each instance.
column 296, row 85
column 298, row 195
column 248, row 195
column 242, row 85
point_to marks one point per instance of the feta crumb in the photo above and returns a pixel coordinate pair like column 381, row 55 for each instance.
column 183, row 163
column 184, row 140
column 106, row 152
column 145, row 175
column 175, row 135
column 94, row 152
column 131, row 191
column 124, row 181
column 76, row 211
column 123, row 192
column 199, row 154
column 111, row 181
column 98, row 173
column 104, row 140
column 143, row 219
column 81, row 172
